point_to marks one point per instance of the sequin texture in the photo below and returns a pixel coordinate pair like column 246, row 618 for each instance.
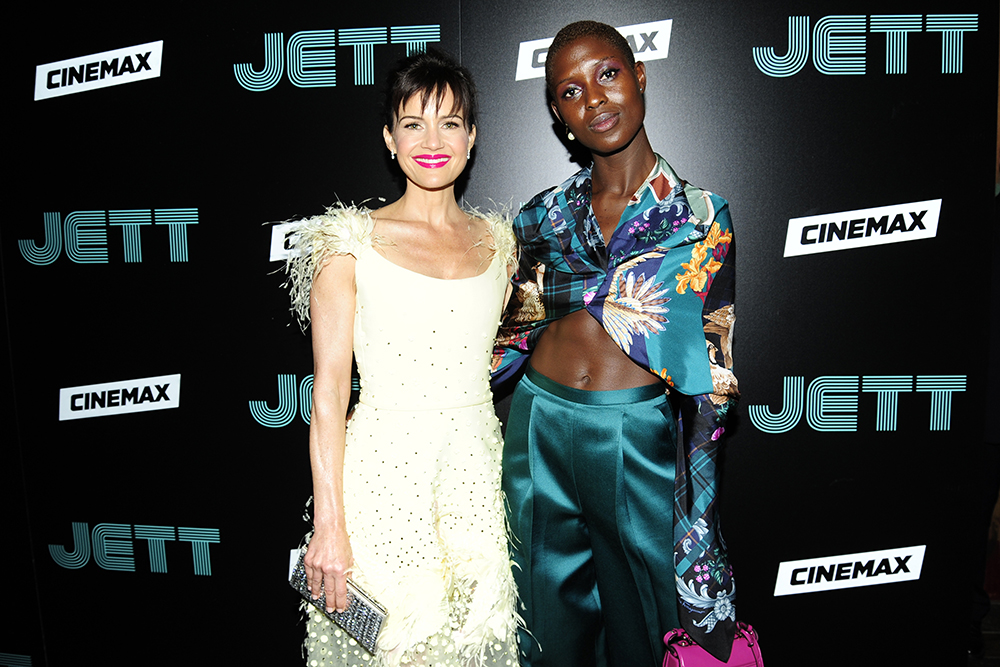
column 422, row 494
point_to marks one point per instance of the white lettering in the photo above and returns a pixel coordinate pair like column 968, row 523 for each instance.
column 849, row 570
column 114, row 398
column 864, row 227
column 98, row 70
column 649, row 41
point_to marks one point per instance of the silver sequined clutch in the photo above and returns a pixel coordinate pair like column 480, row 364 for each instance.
column 363, row 617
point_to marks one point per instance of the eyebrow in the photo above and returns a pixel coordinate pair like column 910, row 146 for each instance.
column 453, row 115
column 602, row 60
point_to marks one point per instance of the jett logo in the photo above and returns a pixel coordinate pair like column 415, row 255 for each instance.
column 293, row 397
column 85, row 235
column 312, row 57
column 863, row 227
column 112, row 547
column 840, row 42
column 115, row 398
column 290, row 397
column 649, row 41
column 849, row 571
column 831, row 402
column 14, row 660
column 100, row 70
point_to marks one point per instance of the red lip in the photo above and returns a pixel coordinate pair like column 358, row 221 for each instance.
column 432, row 161
column 604, row 122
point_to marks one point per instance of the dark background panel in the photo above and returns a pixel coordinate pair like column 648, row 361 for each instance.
column 777, row 148
column 19, row 576
column 191, row 138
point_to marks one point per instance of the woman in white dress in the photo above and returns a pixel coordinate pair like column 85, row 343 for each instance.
column 408, row 505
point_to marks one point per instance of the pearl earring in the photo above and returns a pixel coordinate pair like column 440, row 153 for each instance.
column 569, row 134
column 392, row 154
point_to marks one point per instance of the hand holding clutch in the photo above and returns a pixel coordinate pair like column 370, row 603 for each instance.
column 363, row 617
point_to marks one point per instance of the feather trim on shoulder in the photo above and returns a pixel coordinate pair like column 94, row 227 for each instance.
column 342, row 230
column 502, row 231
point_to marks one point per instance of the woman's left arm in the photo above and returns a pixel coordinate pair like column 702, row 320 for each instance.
column 704, row 578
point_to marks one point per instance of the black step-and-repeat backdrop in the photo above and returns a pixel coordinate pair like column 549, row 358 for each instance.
column 155, row 418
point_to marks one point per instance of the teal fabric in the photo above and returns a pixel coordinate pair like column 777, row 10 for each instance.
column 663, row 290
column 585, row 475
column 647, row 287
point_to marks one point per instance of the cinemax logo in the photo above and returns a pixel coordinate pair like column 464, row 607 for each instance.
column 100, row 70
column 840, row 44
column 849, row 571
column 649, row 41
column 282, row 237
column 114, row 398
column 863, row 227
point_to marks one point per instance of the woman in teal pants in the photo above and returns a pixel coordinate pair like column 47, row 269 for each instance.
column 621, row 323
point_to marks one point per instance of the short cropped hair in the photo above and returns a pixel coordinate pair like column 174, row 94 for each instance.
column 430, row 74
column 575, row 31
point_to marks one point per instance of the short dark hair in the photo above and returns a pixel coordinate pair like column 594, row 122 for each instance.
column 428, row 74
column 575, row 31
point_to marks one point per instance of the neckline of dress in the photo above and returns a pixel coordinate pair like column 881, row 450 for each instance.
column 424, row 275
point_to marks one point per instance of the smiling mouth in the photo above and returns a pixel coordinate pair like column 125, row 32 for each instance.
column 432, row 161
column 604, row 122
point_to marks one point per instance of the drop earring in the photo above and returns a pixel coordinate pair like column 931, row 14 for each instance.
column 569, row 134
column 468, row 154
column 392, row 154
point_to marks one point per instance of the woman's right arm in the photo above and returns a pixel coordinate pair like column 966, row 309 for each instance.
column 331, row 305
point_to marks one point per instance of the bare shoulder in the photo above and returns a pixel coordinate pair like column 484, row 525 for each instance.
column 390, row 227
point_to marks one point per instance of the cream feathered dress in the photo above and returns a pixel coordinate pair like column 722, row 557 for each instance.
column 422, row 493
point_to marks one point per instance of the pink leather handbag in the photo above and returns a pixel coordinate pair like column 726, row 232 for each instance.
column 683, row 652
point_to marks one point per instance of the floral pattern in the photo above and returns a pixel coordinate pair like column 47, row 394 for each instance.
column 662, row 288
column 696, row 596
column 634, row 305
column 702, row 266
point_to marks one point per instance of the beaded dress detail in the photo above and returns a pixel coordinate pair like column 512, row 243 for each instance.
column 422, row 494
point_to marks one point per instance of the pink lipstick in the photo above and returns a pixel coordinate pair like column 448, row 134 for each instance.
column 435, row 161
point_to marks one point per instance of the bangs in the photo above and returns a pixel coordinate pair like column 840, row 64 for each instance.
column 431, row 76
column 437, row 94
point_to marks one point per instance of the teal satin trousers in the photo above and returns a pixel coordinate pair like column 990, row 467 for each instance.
column 589, row 480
